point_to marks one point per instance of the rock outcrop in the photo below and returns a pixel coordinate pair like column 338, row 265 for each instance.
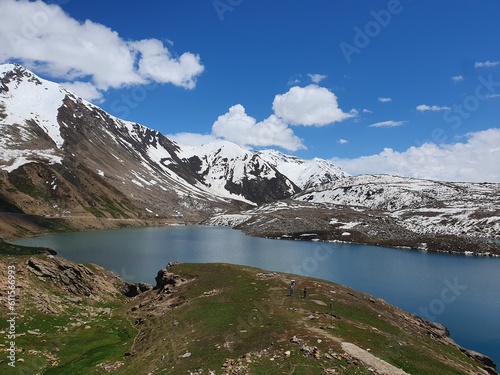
column 166, row 280
column 81, row 281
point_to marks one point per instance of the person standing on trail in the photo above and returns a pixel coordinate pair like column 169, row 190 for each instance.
column 292, row 287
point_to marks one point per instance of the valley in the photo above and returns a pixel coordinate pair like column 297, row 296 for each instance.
column 68, row 165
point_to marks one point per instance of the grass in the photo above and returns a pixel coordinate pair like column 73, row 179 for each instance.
column 7, row 206
column 244, row 320
column 112, row 208
column 76, row 350
column 24, row 184
column 9, row 249
column 254, row 317
column 94, row 211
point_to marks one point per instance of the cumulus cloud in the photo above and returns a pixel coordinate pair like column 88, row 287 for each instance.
column 486, row 64
column 384, row 100
column 238, row 127
column 47, row 40
column 433, row 108
column 316, row 78
column 457, row 78
column 310, row 106
column 387, row 124
column 475, row 160
column 342, row 141
column 158, row 65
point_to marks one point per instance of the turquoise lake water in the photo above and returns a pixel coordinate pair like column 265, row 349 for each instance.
column 463, row 293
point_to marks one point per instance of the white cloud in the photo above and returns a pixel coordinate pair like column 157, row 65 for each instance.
column 310, row 105
column 157, row 64
column 457, row 78
column 84, row 90
column 387, row 124
column 192, row 139
column 475, row 160
column 366, row 110
column 238, row 127
column 342, row 141
column 47, row 40
column 486, row 64
column 433, row 108
column 384, row 100
column 316, row 78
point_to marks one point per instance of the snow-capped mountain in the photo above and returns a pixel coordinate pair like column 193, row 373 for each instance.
column 304, row 173
column 78, row 146
column 48, row 131
column 384, row 210
column 230, row 170
column 61, row 155
column 28, row 105
column 422, row 206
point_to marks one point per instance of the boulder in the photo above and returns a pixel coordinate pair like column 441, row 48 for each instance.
column 39, row 269
column 165, row 278
column 132, row 289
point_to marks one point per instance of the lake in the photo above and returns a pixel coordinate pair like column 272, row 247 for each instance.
column 463, row 293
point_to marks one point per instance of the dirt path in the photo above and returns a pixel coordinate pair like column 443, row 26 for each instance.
column 379, row 365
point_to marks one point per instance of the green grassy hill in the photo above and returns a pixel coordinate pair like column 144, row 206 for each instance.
column 210, row 319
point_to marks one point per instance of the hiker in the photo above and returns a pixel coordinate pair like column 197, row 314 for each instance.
column 305, row 293
column 292, row 287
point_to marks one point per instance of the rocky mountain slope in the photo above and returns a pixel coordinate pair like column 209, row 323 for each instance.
column 61, row 155
column 230, row 171
column 384, row 210
column 422, row 206
column 64, row 158
column 211, row 319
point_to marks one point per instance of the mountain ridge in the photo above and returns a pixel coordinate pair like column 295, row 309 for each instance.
column 63, row 129
column 64, row 157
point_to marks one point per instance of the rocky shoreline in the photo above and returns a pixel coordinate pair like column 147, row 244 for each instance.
column 347, row 225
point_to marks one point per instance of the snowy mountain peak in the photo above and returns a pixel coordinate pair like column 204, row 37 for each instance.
column 27, row 97
column 15, row 68
column 228, row 149
column 41, row 123
column 231, row 170
column 304, row 173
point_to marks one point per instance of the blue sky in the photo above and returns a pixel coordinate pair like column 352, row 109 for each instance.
column 404, row 87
